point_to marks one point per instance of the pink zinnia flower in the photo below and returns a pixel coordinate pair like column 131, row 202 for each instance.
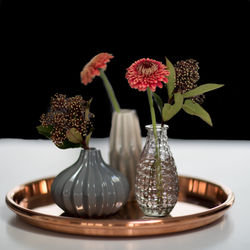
column 92, row 68
column 147, row 73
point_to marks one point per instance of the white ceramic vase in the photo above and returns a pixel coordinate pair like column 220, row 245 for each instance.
column 125, row 145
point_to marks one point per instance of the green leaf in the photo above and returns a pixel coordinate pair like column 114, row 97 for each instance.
column 87, row 116
column 169, row 111
column 74, row 136
column 193, row 108
column 89, row 136
column 166, row 112
column 171, row 78
column 67, row 144
column 202, row 89
column 158, row 101
column 46, row 131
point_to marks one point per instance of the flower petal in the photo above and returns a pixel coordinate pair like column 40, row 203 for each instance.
column 92, row 68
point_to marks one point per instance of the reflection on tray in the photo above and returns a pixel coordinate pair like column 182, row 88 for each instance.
column 200, row 203
column 195, row 196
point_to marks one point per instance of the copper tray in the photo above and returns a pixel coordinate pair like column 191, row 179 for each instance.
column 200, row 203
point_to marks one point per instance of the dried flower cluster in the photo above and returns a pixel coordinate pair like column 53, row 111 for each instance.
column 187, row 76
column 65, row 114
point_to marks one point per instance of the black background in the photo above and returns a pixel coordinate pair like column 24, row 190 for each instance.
column 43, row 49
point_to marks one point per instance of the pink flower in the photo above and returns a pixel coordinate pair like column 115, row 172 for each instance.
column 92, row 68
column 147, row 73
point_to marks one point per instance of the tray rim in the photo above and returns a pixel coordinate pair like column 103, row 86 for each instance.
column 34, row 217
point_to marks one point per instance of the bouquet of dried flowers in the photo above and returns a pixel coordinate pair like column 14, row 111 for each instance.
column 68, row 123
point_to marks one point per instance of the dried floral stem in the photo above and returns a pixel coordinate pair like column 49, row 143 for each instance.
column 110, row 91
column 85, row 145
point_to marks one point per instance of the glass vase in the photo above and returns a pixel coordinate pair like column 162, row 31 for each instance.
column 90, row 187
column 157, row 184
column 125, row 145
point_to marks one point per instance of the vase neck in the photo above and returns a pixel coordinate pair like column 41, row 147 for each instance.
column 91, row 153
column 161, row 131
column 157, row 145
column 125, row 112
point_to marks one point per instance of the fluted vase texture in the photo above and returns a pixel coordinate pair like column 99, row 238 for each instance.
column 125, row 145
column 90, row 187
column 157, row 184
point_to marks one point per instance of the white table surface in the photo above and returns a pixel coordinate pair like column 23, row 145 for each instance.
column 225, row 162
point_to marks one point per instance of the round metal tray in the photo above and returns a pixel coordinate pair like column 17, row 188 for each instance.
column 200, row 203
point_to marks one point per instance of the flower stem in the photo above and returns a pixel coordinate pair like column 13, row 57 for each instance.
column 110, row 91
column 152, row 111
column 157, row 163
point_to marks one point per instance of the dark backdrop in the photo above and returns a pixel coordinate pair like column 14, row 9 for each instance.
column 40, row 58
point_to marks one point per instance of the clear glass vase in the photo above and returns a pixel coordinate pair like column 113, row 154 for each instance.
column 156, row 186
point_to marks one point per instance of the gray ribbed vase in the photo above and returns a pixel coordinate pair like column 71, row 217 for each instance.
column 125, row 145
column 90, row 187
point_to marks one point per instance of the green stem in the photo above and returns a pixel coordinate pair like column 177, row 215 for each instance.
column 152, row 111
column 157, row 163
column 110, row 91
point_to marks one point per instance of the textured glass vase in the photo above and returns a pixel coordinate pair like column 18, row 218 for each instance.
column 156, row 185
column 90, row 187
column 125, row 145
